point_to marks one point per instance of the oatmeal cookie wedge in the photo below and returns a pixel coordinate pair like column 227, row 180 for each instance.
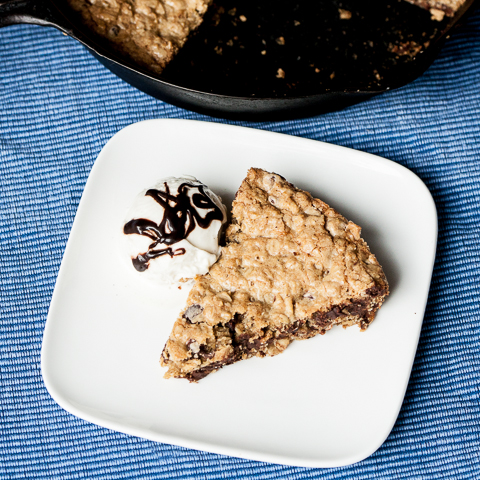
column 149, row 32
column 439, row 8
column 292, row 268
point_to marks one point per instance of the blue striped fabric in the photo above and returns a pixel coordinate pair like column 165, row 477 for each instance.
column 58, row 108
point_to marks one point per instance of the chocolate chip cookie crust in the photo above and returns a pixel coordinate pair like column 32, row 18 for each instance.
column 448, row 7
column 150, row 32
column 292, row 268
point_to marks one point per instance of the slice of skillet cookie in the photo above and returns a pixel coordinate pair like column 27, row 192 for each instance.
column 292, row 268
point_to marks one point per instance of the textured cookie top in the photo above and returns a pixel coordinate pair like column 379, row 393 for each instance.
column 288, row 255
column 447, row 6
column 148, row 31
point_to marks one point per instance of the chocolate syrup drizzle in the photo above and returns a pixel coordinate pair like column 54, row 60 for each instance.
column 179, row 220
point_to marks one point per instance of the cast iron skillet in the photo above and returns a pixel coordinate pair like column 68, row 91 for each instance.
column 273, row 59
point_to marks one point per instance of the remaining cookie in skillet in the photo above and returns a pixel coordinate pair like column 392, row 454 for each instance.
column 292, row 268
column 439, row 8
column 150, row 32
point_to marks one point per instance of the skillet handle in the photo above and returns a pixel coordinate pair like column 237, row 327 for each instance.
column 37, row 12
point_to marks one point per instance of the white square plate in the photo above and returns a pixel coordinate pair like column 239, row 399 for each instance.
column 325, row 402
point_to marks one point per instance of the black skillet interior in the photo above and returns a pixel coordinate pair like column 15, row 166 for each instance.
column 285, row 49
column 274, row 59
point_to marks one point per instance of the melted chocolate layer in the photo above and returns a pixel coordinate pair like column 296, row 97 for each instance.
column 250, row 345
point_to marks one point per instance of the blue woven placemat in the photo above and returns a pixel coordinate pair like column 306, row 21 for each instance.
column 59, row 106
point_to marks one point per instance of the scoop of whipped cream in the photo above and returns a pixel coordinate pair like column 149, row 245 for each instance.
column 173, row 229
